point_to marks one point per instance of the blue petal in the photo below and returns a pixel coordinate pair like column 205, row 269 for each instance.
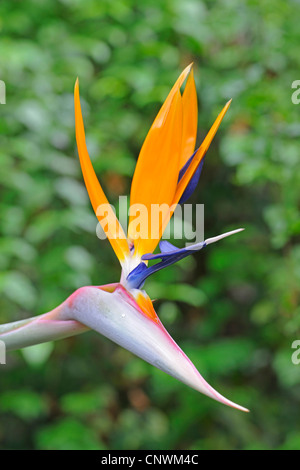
column 173, row 252
column 166, row 247
column 192, row 184
column 194, row 180
column 185, row 167
column 169, row 255
column 138, row 276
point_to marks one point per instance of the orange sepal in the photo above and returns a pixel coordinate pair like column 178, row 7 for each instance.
column 108, row 221
column 199, row 155
column 190, row 119
column 156, row 175
column 195, row 163
column 146, row 305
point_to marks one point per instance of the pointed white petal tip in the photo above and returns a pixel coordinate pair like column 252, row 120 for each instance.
column 116, row 315
column 223, row 235
column 230, row 403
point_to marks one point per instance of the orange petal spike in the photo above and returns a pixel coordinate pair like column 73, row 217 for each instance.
column 156, row 176
column 200, row 154
column 158, row 165
column 106, row 217
column 195, row 162
column 190, row 119
column 163, row 112
column 144, row 302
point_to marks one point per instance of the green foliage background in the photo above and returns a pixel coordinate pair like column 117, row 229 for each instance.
column 233, row 308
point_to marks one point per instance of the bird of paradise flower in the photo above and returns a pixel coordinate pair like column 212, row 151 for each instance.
column 167, row 172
